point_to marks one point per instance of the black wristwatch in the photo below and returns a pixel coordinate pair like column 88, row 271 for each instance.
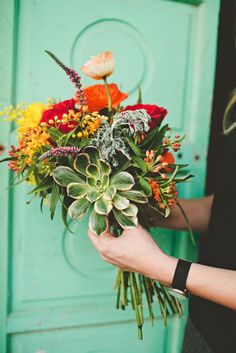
column 178, row 287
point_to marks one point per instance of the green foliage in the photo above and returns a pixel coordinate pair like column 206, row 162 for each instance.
column 90, row 184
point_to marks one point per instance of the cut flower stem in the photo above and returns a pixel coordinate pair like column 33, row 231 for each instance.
column 130, row 288
column 108, row 94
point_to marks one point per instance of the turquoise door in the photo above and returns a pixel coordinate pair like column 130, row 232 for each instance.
column 56, row 294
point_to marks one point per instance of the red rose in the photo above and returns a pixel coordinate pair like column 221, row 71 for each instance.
column 156, row 113
column 58, row 110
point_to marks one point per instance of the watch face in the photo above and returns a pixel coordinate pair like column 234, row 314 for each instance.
column 179, row 294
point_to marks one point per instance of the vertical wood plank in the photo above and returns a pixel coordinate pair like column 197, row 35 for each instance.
column 8, row 30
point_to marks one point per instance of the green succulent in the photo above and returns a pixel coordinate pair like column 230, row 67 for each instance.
column 90, row 183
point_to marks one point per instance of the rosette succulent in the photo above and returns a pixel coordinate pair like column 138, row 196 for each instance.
column 91, row 183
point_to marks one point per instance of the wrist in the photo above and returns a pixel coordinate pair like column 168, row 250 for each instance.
column 164, row 268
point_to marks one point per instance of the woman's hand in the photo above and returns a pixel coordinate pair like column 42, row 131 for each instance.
column 198, row 212
column 135, row 251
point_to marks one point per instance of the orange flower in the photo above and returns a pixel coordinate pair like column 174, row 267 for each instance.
column 96, row 97
column 168, row 158
column 99, row 66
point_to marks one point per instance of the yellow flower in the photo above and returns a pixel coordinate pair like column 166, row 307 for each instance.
column 13, row 113
column 31, row 141
column 31, row 179
column 31, row 117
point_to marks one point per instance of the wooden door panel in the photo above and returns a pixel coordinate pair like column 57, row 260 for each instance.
column 61, row 296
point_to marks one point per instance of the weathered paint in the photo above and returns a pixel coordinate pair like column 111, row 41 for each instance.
column 55, row 292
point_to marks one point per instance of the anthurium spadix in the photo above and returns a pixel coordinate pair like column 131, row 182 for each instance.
column 91, row 184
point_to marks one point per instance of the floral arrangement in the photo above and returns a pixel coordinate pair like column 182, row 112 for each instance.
column 93, row 155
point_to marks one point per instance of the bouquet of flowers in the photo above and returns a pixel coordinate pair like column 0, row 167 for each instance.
column 91, row 154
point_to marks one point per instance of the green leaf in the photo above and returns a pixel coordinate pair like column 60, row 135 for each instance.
column 105, row 181
column 93, row 153
column 92, row 182
column 154, row 138
column 132, row 210
column 65, row 175
column 139, row 101
column 97, row 223
column 184, row 178
column 93, row 171
column 140, row 163
column 7, row 159
column 122, row 181
column 93, row 195
column 64, row 211
column 54, row 199
column 135, row 195
column 109, row 193
column 81, row 163
column 125, row 221
column 54, row 133
column 171, row 178
column 167, row 212
column 120, row 202
column 68, row 135
column 77, row 190
column 145, row 186
column 125, row 165
column 103, row 206
column 44, row 185
column 79, row 208
column 137, row 151
column 105, row 167
column 155, row 207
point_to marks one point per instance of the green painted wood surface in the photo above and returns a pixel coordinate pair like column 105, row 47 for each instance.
column 55, row 292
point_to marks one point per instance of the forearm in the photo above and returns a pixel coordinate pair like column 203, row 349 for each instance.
column 214, row 284
column 198, row 212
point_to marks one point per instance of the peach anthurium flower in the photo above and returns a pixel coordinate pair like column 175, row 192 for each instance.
column 96, row 97
column 99, row 66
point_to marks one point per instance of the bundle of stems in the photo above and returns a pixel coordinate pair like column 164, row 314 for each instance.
column 132, row 288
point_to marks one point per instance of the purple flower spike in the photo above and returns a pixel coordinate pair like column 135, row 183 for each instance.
column 73, row 76
column 61, row 152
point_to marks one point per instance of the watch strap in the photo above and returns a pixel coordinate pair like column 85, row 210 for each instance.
column 180, row 275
